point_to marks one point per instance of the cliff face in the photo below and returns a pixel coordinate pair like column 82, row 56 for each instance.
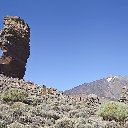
column 14, row 43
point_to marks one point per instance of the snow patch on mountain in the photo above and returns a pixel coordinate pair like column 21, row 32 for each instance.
column 109, row 79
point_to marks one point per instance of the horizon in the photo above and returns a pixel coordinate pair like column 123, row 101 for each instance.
column 73, row 42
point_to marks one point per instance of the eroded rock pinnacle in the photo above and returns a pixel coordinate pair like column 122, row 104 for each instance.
column 14, row 43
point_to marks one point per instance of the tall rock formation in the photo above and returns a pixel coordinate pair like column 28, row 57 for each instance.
column 14, row 43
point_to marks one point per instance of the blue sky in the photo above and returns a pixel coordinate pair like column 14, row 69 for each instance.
column 73, row 41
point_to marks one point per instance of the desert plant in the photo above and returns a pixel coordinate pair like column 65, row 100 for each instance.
column 65, row 123
column 14, row 95
column 17, row 125
column 113, row 111
column 18, row 105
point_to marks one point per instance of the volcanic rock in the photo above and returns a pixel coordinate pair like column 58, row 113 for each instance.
column 14, row 43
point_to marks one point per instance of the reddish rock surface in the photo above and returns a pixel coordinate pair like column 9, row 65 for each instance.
column 14, row 43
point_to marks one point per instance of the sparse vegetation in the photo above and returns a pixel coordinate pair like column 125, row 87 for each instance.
column 65, row 123
column 113, row 111
column 17, row 125
column 30, row 106
column 14, row 95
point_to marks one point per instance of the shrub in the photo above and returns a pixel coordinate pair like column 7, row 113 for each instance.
column 18, row 105
column 14, row 95
column 113, row 111
column 17, row 125
column 64, row 123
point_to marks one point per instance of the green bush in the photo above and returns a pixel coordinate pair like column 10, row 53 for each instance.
column 15, row 95
column 113, row 111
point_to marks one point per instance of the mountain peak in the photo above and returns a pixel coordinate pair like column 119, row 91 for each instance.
column 109, row 87
column 111, row 78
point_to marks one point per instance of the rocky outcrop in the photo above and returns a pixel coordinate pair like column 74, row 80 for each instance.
column 124, row 95
column 14, row 43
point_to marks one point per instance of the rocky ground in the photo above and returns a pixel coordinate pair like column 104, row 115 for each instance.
column 42, row 107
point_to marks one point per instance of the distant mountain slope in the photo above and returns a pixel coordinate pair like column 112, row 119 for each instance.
column 109, row 87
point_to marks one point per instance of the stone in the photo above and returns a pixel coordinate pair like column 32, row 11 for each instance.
column 124, row 95
column 93, row 99
column 14, row 43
